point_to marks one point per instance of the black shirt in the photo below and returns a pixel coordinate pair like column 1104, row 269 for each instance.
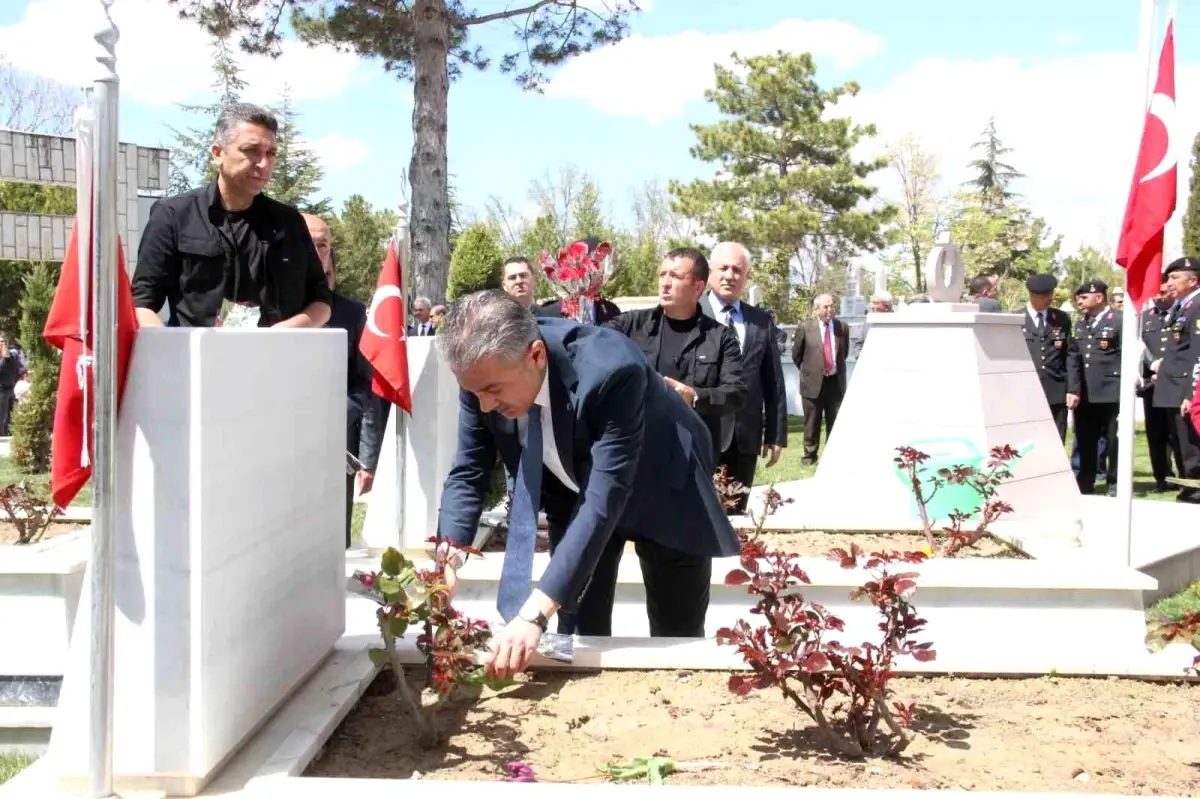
column 240, row 284
column 674, row 336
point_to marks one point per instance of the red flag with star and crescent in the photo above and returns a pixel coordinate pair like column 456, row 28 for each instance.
column 384, row 343
column 1152, row 196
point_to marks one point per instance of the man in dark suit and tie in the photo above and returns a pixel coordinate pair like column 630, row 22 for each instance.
column 759, row 427
column 1048, row 336
column 422, row 323
column 349, row 315
column 597, row 440
column 819, row 352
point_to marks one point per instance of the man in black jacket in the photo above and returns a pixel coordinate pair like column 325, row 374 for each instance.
column 10, row 375
column 759, row 427
column 1094, row 358
column 697, row 356
column 1176, row 371
column 350, row 315
column 227, row 243
column 1048, row 336
column 1158, row 420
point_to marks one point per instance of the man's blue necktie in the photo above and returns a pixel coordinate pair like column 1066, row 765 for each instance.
column 517, row 573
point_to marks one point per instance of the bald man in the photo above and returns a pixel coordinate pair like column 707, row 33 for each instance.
column 349, row 315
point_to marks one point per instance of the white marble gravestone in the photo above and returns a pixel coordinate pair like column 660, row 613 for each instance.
column 430, row 441
column 953, row 382
column 230, row 585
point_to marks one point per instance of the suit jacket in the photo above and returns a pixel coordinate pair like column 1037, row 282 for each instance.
column 1048, row 351
column 762, row 418
column 641, row 458
column 808, row 353
column 710, row 362
column 987, row 304
column 429, row 331
column 351, row 315
column 1094, row 357
column 606, row 310
column 1181, row 359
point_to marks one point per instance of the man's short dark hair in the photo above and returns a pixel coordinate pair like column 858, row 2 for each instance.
column 699, row 262
column 516, row 259
column 234, row 113
column 979, row 285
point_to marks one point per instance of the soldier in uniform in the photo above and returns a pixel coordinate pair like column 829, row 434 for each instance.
column 1094, row 360
column 1158, row 421
column 1176, row 371
column 1048, row 335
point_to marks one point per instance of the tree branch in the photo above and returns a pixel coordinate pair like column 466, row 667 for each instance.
column 512, row 12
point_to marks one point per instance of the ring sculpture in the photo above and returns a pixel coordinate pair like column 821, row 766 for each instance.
column 944, row 272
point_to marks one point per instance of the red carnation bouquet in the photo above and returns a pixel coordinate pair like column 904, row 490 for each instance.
column 578, row 274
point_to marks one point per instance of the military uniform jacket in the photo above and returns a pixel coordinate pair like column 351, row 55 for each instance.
column 1095, row 357
column 1048, row 350
column 1154, row 337
column 1178, row 371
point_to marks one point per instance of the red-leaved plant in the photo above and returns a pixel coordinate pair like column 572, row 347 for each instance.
column 1186, row 628
column 795, row 650
column 984, row 481
column 28, row 513
column 411, row 597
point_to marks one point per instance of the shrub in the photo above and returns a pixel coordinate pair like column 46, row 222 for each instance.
column 33, row 416
column 412, row 597
column 475, row 263
column 29, row 514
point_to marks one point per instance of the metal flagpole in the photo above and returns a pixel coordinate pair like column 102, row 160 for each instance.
column 1131, row 352
column 104, row 342
column 402, row 252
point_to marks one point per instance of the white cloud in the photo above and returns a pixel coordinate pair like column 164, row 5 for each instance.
column 339, row 151
column 1066, row 38
column 655, row 76
column 161, row 59
column 1073, row 124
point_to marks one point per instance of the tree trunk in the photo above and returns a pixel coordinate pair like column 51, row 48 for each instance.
column 430, row 221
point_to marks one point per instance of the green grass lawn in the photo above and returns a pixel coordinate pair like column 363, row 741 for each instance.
column 789, row 467
column 10, row 473
column 13, row 764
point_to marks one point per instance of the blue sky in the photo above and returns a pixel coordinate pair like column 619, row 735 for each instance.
column 1060, row 81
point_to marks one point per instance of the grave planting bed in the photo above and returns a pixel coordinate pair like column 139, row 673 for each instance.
column 1046, row 735
column 812, row 543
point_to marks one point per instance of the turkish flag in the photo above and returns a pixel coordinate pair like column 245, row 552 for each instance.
column 74, row 414
column 1152, row 196
column 384, row 342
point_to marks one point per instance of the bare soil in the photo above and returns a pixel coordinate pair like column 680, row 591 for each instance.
column 8, row 531
column 1045, row 735
column 818, row 544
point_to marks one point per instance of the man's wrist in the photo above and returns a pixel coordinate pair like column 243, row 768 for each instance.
column 539, row 603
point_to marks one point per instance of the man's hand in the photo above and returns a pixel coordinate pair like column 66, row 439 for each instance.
column 511, row 649
column 315, row 315
column 774, row 451
column 687, row 392
column 365, row 480
column 1154, row 366
column 147, row 318
column 1072, row 401
column 1184, row 407
column 452, row 566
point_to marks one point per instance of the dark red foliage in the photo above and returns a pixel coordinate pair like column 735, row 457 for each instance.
column 793, row 647
column 1185, row 629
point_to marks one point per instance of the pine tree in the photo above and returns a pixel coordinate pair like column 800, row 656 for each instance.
column 297, row 174
column 1191, row 219
column 34, row 414
column 994, row 178
column 191, row 154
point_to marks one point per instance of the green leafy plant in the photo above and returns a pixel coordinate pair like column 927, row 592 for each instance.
column 984, row 482
column 29, row 514
column 411, row 597
column 651, row 769
column 1186, row 628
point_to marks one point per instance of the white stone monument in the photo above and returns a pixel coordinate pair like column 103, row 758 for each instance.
column 953, row 382
column 230, row 582
column 431, row 436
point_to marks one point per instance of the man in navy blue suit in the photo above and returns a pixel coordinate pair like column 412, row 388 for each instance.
column 599, row 442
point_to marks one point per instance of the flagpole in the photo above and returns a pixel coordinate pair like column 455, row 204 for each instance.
column 1130, row 322
column 104, row 337
column 402, row 253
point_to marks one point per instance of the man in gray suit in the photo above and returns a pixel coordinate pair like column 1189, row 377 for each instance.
column 819, row 352
column 983, row 292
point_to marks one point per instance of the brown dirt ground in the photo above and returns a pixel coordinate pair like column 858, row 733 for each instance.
column 817, row 544
column 1045, row 735
column 8, row 531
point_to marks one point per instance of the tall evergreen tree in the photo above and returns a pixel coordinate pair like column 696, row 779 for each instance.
column 788, row 181
column 993, row 176
column 297, row 175
column 1191, row 218
column 360, row 238
column 191, row 154
column 34, row 415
